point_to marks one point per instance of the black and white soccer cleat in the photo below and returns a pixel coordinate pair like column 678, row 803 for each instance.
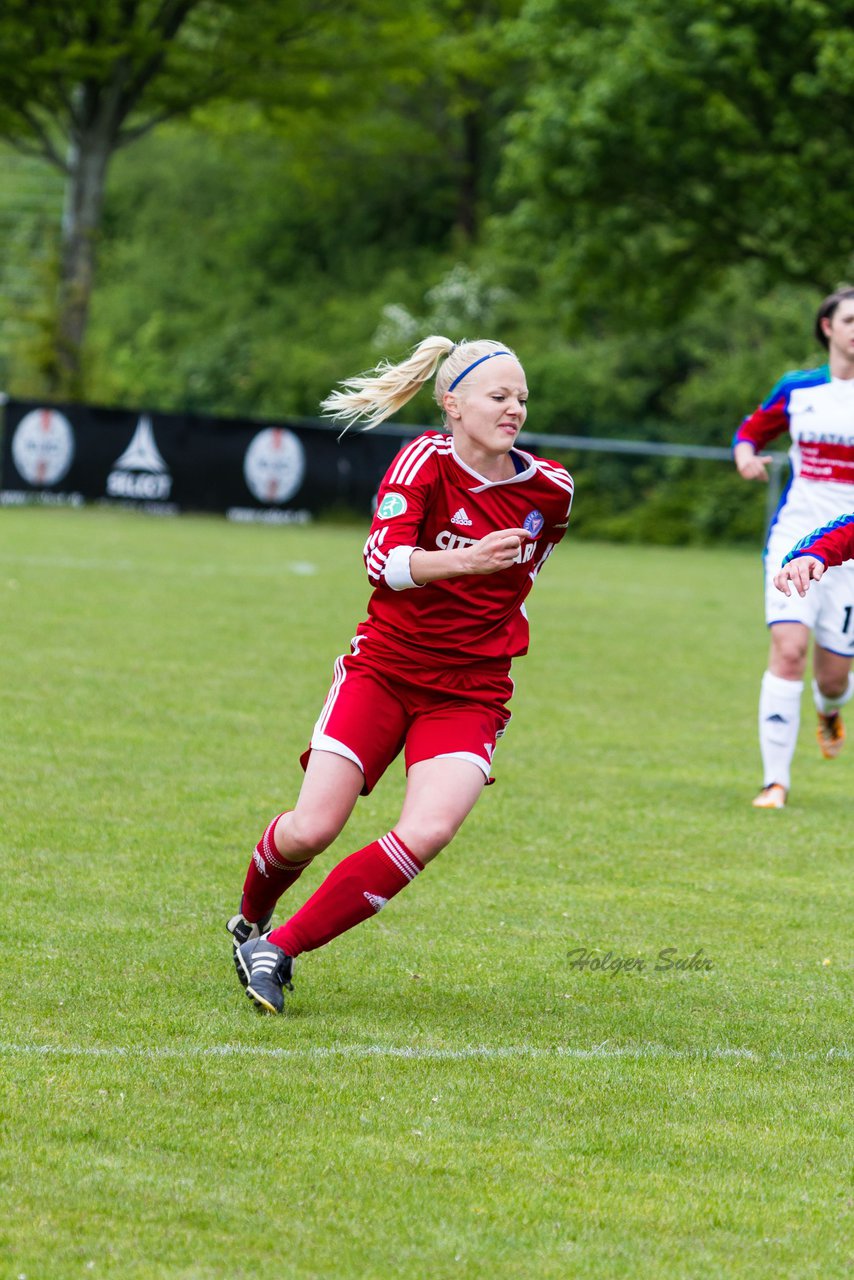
column 265, row 973
column 243, row 930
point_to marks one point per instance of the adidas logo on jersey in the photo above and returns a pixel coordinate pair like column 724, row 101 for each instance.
column 461, row 517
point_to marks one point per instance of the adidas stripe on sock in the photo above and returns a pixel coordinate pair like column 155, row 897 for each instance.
column 268, row 876
column 353, row 891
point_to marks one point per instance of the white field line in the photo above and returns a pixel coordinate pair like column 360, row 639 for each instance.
column 484, row 1053
column 303, row 568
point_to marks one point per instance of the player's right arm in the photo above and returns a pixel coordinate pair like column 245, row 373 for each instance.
column 498, row 550
column 750, row 464
column 392, row 555
column 769, row 420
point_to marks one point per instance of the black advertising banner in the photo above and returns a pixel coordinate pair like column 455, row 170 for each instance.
column 276, row 472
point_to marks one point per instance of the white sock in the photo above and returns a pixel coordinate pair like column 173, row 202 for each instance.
column 826, row 706
column 779, row 719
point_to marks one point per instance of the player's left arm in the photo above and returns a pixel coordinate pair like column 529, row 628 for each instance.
column 799, row 573
column 557, row 521
column 830, row 545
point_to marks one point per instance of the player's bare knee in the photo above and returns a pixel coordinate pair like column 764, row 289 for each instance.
column 789, row 658
column 832, row 686
column 311, row 834
column 431, row 837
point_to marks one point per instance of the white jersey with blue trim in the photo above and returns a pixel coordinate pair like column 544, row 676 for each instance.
column 817, row 410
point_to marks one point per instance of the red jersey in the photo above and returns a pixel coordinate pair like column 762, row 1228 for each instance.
column 430, row 499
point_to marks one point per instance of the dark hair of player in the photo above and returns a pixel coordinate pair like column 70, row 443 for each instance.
column 827, row 308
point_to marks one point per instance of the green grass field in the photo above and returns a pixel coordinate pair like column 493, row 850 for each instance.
column 446, row 1096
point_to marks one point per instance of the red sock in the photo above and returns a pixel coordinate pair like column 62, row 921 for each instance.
column 268, row 877
column 354, row 890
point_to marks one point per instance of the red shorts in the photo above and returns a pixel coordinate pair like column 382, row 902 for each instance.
column 371, row 715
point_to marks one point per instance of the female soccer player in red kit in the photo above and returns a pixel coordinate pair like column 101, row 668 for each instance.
column 464, row 522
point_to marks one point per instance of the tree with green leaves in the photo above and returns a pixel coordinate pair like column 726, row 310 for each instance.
column 662, row 141
column 81, row 81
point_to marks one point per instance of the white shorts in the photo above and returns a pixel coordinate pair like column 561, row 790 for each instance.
column 827, row 608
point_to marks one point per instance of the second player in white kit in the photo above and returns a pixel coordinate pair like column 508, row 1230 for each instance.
column 816, row 408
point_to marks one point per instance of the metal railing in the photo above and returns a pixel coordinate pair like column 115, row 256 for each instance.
column 641, row 448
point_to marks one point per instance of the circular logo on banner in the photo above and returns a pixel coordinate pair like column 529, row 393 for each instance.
column 43, row 447
column 393, row 504
column 274, row 465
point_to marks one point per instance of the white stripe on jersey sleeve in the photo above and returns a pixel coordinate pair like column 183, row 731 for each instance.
column 549, row 548
column 410, row 457
column 558, row 476
column 413, row 458
column 418, row 463
column 404, row 458
column 373, row 557
column 376, row 567
column 375, row 540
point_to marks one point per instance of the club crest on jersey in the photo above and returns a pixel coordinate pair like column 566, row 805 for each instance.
column 533, row 522
column 393, row 504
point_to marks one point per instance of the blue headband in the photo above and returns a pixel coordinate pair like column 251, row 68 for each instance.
column 474, row 365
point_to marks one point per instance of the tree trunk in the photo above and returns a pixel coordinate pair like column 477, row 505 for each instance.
column 84, row 201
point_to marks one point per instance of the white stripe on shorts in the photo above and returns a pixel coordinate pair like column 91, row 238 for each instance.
column 338, row 678
column 322, row 742
column 466, row 755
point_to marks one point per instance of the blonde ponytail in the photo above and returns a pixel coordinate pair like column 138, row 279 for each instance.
column 372, row 397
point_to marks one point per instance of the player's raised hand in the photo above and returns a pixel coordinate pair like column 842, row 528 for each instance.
column 498, row 550
column 800, row 572
column 751, row 465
